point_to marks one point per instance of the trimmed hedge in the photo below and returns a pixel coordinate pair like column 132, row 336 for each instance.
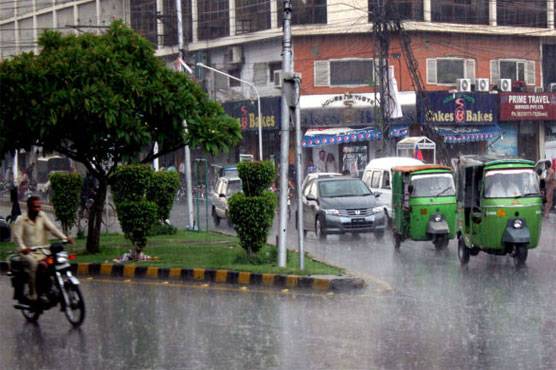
column 162, row 191
column 66, row 193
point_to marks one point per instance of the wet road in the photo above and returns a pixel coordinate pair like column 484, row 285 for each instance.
column 421, row 310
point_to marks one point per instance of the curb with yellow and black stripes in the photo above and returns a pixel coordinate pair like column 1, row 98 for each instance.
column 320, row 283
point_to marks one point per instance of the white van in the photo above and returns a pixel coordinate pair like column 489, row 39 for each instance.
column 378, row 175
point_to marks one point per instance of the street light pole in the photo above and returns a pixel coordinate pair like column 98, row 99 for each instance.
column 258, row 101
column 187, row 152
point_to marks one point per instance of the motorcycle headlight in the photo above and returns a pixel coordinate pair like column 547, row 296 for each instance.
column 332, row 212
column 437, row 218
column 518, row 224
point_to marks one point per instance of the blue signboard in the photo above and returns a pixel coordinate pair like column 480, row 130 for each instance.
column 458, row 109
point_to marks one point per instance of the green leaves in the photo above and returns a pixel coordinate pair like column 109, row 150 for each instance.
column 256, row 177
column 66, row 192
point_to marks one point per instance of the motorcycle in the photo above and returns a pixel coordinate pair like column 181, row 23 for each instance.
column 56, row 285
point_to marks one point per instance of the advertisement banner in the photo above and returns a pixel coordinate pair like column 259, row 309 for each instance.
column 246, row 111
column 458, row 109
column 527, row 107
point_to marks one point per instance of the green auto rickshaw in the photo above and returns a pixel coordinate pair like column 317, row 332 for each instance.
column 499, row 207
column 423, row 204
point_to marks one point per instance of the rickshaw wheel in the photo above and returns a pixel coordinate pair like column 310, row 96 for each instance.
column 463, row 252
column 397, row 239
column 441, row 242
column 520, row 255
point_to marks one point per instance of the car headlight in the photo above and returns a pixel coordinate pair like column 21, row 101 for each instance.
column 437, row 218
column 332, row 212
column 518, row 224
column 378, row 210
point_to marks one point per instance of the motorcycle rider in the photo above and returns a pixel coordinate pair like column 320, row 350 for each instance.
column 31, row 230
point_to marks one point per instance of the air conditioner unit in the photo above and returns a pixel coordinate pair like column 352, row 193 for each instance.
column 463, row 84
column 482, row 84
column 539, row 89
column 234, row 55
column 277, row 78
column 552, row 87
column 505, row 84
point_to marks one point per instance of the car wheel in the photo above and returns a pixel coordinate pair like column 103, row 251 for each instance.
column 215, row 217
column 320, row 229
column 463, row 252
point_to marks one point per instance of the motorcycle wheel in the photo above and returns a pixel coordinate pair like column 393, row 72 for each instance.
column 75, row 309
column 30, row 315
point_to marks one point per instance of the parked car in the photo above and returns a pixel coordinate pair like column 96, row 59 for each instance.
column 318, row 175
column 225, row 187
column 338, row 205
column 378, row 177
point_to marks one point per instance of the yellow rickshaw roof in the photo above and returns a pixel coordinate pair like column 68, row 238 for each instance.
column 420, row 167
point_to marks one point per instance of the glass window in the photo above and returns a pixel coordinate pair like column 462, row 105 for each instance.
column 521, row 13
column 343, row 188
column 511, row 183
column 400, row 9
column 273, row 67
column 386, row 180
column 375, row 180
column 460, row 11
column 351, row 72
column 513, row 70
column 213, row 19
column 306, row 12
column 236, row 73
column 437, row 185
column 233, row 187
column 252, row 15
column 143, row 18
column 449, row 70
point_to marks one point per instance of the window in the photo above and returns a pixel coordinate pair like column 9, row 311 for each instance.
column 143, row 18
column 347, row 72
column 521, row 13
column 306, row 12
column 400, row 9
column 445, row 71
column 460, row 11
column 273, row 67
column 213, row 19
column 386, row 180
column 375, row 180
column 514, row 69
column 170, row 21
column 236, row 73
column 252, row 15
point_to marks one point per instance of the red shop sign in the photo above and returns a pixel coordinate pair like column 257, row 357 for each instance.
column 527, row 107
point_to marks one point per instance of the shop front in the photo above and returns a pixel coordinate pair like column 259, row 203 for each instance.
column 531, row 118
column 246, row 112
column 466, row 122
column 340, row 131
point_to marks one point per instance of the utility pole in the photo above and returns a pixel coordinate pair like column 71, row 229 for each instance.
column 187, row 152
column 285, row 134
column 381, row 32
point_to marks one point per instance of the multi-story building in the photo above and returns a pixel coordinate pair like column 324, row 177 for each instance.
column 334, row 50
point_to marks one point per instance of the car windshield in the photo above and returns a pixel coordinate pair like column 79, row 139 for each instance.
column 433, row 185
column 511, row 183
column 234, row 187
column 343, row 188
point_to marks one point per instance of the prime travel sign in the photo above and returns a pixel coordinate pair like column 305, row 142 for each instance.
column 443, row 108
column 530, row 107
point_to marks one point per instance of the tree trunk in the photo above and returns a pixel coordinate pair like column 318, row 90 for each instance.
column 95, row 218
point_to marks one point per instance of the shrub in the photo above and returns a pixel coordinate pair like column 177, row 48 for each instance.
column 162, row 229
column 136, row 221
column 252, row 211
column 135, row 212
column 66, row 192
column 256, row 177
column 162, row 191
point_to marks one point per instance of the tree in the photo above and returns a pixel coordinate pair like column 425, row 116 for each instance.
column 104, row 100
column 66, row 192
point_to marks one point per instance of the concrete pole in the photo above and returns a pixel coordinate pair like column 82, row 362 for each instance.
column 156, row 161
column 299, row 175
column 285, row 136
column 187, row 152
column 427, row 14
column 492, row 13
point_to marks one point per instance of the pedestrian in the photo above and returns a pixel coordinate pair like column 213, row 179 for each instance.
column 321, row 162
column 550, row 186
column 331, row 165
column 310, row 167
